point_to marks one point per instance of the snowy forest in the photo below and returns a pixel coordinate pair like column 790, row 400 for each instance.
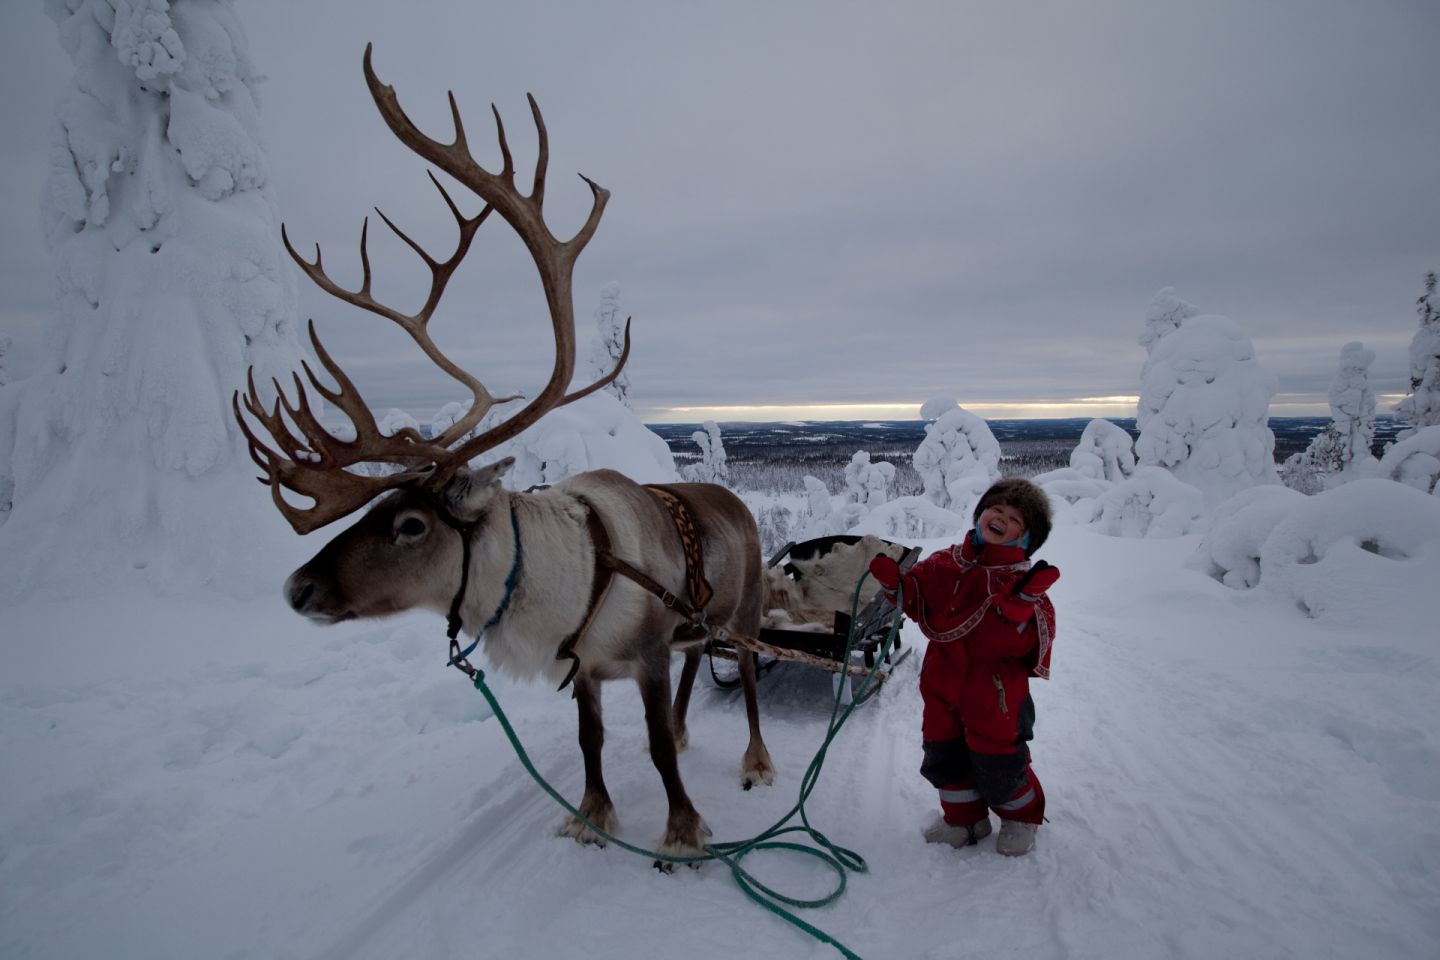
column 1242, row 740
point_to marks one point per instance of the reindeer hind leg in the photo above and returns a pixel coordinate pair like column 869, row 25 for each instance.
column 756, row 766
column 682, row 697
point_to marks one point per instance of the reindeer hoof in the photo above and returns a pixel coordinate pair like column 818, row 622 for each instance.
column 757, row 772
column 580, row 832
column 683, row 840
column 668, row 866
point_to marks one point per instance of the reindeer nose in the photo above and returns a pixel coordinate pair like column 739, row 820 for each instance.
column 299, row 590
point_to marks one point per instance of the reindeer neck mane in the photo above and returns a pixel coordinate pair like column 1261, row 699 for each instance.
column 550, row 592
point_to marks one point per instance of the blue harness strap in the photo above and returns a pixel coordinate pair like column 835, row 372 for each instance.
column 511, row 579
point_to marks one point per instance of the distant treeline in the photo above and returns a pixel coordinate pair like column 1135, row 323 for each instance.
column 775, row 457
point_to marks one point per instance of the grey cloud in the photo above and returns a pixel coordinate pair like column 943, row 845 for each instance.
column 815, row 202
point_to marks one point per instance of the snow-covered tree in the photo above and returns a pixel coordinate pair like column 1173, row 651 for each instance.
column 1150, row 503
column 959, row 457
column 171, row 282
column 818, row 518
column 868, row 483
column 712, row 467
column 1414, row 461
column 1422, row 407
column 1204, row 409
column 867, row 487
column 592, row 433
column 772, row 521
column 907, row 519
column 1356, row 540
column 1163, row 317
column 1232, row 547
column 1105, row 452
column 1335, row 451
column 609, row 344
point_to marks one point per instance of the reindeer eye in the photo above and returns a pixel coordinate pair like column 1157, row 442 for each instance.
column 411, row 527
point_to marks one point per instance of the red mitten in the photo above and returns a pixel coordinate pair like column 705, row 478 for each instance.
column 1019, row 604
column 885, row 571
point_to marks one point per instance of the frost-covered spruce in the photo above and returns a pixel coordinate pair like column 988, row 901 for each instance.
column 819, row 517
column 610, row 343
column 959, row 457
column 1165, row 314
column 1422, row 407
column 1104, row 452
column 712, row 467
column 170, row 283
column 593, row 433
column 867, row 487
column 1204, row 409
column 1414, row 461
column 1336, row 452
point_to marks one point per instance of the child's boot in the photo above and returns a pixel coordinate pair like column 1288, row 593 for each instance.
column 1016, row 838
column 957, row 835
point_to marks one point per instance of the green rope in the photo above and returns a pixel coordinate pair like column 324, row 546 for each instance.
column 838, row 858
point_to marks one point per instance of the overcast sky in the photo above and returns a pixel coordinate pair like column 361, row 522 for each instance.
column 847, row 203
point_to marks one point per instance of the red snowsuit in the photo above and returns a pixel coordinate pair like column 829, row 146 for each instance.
column 975, row 680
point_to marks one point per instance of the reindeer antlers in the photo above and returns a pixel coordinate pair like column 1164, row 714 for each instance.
column 313, row 463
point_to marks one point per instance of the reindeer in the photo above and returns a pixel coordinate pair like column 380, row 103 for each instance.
column 528, row 573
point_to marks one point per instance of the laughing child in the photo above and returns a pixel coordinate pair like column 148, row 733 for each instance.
column 982, row 604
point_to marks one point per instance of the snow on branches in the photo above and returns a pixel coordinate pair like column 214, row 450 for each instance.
column 1422, row 406
column 1414, row 461
column 712, row 467
column 1337, row 452
column 593, row 433
column 1105, row 452
column 170, row 283
column 1204, row 406
column 959, row 457
column 609, row 343
column 1150, row 503
column 1332, row 553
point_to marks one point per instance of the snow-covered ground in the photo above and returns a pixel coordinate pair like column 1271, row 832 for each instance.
column 1227, row 777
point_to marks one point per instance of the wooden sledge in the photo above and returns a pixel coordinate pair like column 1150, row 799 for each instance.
column 822, row 643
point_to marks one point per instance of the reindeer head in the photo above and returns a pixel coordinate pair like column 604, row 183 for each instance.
column 405, row 553
column 391, row 559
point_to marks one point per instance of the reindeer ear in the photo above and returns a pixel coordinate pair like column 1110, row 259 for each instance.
column 492, row 472
column 469, row 491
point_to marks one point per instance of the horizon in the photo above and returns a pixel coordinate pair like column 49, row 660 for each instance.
column 1285, row 406
column 1081, row 409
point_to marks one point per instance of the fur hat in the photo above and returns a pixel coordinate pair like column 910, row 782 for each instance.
column 1030, row 500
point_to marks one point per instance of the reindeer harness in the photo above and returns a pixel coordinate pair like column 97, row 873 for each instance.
column 607, row 564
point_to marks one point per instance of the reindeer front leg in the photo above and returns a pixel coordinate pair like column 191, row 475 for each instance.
column 595, row 805
column 683, row 828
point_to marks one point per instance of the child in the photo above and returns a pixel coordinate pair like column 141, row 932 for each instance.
column 987, row 638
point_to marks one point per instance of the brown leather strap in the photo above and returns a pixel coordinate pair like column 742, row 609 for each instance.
column 607, row 565
column 689, row 530
column 599, row 587
column 675, row 603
